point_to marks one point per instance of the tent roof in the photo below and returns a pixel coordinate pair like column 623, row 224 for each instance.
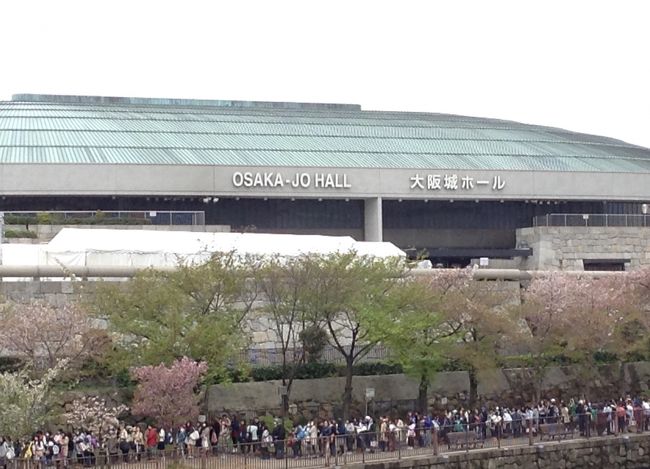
column 192, row 243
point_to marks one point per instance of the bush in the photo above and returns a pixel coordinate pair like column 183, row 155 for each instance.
column 19, row 220
column 314, row 339
column 45, row 218
column 10, row 364
column 324, row 370
column 604, row 356
column 20, row 234
column 377, row 368
column 316, row 370
column 266, row 373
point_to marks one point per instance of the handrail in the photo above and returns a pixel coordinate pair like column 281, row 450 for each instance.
column 592, row 219
column 154, row 217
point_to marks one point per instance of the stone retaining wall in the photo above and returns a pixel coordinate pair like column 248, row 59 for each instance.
column 629, row 451
column 567, row 247
column 396, row 394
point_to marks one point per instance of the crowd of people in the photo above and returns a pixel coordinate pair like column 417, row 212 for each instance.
column 326, row 437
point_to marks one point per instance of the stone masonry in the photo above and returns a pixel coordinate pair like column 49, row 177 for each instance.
column 629, row 451
column 567, row 247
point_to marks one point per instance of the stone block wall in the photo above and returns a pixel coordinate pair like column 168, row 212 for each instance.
column 396, row 394
column 629, row 451
column 566, row 247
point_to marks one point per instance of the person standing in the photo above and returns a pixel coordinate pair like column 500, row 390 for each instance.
column 151, row 438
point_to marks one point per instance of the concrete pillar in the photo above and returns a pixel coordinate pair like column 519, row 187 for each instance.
column 373, row 224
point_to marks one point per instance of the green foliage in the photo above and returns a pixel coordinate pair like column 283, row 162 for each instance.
column 100, row 218
column 325, row 370
column 234, row 374
column 20, row 234
column 194, row 311
column 605, row 356
column 314, row 339
column 44, row 218
column 270, row 422
column 303, row 371
column 10, row 364
column 342, row 290
column 19, row 220
column 377, row 368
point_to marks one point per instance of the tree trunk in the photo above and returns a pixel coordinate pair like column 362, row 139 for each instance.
column 422, row 395
column 347, row 392
column 538, row 380
column 622, row 385
column 473, row 387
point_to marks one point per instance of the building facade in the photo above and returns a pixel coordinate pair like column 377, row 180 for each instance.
column 454, row 187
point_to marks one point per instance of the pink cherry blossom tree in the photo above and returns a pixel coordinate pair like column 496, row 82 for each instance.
column 168, row 395
column 572, row 315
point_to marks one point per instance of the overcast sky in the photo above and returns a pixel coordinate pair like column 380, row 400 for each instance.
column 579, row 65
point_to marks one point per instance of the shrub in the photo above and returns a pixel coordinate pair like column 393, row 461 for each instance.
column 19, row 220
column 316, row 370
column 314, row 339
column 10, row 364
column 324, row 370
column 20, row 234
column 377, row 368
column 45, row 218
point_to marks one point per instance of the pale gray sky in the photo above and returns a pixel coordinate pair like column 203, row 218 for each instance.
column 582, row 65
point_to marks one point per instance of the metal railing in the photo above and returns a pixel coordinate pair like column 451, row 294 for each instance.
column 592, row 219
column 130, row 217
column 391, row 443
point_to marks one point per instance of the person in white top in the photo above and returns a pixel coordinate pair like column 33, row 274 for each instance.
column 313, row 437
column 161, row 439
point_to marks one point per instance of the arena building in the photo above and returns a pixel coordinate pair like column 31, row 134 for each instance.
column 455, row 187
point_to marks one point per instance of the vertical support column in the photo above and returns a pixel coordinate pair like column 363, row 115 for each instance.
column 373, row 222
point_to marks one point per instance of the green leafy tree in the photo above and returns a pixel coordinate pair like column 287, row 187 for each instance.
column 414, row 330
column 283, row 283
column 194, row 311
column 341, row 290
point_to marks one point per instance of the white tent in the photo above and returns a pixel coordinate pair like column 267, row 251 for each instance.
column 144, row 248
column 22, row 254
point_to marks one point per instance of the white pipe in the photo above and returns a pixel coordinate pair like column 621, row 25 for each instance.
column 77, row 271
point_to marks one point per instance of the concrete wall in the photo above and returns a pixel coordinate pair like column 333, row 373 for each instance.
column 565, row 248
column 88, row 179
column 629, row 451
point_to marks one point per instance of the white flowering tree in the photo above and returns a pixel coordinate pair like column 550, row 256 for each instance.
column 44, row 334
column 91, row 413
column 27, row 404
column 575, row 316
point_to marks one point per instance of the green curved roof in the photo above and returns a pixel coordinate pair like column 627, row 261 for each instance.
column 94, row 130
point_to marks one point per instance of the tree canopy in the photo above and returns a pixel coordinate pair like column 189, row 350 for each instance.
column 195, row 311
